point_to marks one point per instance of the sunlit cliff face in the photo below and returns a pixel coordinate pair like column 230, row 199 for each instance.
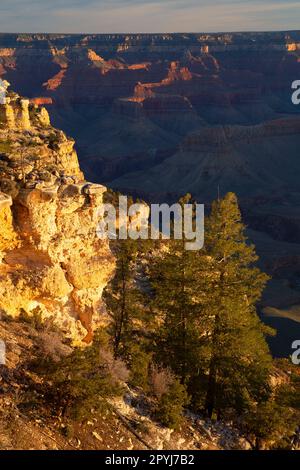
column 53, row 266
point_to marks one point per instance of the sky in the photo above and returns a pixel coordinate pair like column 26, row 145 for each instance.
column 117, row 16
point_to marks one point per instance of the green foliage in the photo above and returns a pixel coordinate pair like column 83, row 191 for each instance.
column 79, row 382
column 239, row 357
column 211, row 336
column 179, row 343
column 267, row 423
column 34, row 318
column 179, row 288
column 288, row 394
column 53, row 141
column 125, row 302
column 171, row 405
column 139, row 361
column 122, row 297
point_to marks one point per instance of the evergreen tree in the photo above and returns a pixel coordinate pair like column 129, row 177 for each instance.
column 124, row 299
column 76, row 383
column 171, row 404
column 122, row 296
column 239, row 358
column 268, row 423
column 176, row 302
column 211, row 336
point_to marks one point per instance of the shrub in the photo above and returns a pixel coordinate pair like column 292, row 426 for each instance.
column 116, row 367
column 53, row 141
column 160, row 381
column 139, row 366
column 34, row 318
column 52, row 346
column 78, row 383
column 266, row 424
column 170, row 407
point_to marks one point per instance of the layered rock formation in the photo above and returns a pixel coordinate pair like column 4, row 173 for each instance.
column 19, row 113
column 130, row 100
column 53, row 267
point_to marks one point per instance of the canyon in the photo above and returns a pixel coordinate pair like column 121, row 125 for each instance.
column 157, row 116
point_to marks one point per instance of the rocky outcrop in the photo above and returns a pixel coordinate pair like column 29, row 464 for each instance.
column 59, row 268
column 53, row 266
column 19, row 113
column 41, row 100
column 8, row 236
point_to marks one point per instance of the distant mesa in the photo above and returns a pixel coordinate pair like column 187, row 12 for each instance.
column 40, row 101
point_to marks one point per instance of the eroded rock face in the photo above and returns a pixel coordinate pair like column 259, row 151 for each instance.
column 59, row 267
column 132, row 100
column 19, row 113
column 53, row 265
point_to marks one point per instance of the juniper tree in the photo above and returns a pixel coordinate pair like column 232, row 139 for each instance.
column 171, row 405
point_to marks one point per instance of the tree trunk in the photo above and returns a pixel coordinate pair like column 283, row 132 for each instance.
column 121, row 320
column 258, row 444
column 211, row 390
column 210, row 401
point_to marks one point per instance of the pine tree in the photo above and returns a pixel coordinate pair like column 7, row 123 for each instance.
column 178, row 290
column 174, row 304
column 239, row 358
column 121, row 296
column 126, row 302
column 171, row 405
column 211, row 336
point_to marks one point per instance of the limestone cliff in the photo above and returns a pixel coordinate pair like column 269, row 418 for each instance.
column 19, row 113
column 52, row 265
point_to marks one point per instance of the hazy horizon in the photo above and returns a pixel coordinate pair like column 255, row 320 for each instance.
column 147, row 16
column 135, row 33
